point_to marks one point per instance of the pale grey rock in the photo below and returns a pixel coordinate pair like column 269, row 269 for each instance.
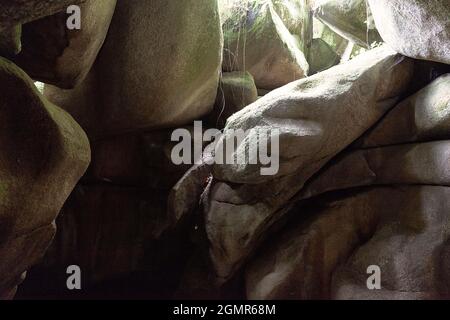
column 424, row 116
column 410, row 246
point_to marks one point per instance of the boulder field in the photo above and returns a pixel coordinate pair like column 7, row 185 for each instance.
column 338, row 112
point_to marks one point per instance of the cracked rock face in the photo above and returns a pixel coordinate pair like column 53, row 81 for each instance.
column 44, row 153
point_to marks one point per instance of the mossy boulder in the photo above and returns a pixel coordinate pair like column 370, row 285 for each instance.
column 159, row 68
column 334, row 40
column 352, row 19
column 410, row 245
column 44, row 152
column 257, row 41
column 54, row 54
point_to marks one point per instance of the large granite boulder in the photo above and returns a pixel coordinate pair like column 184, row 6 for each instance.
column 317, row 118
column 417, row 29
column 327, row 254
column 257, row 41
column 43, row 154
column 107, row 230
column 351, row 19
column 54, row 54
column 145, row 84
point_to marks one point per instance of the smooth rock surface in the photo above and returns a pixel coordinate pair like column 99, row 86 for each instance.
column 351, row 19
column 56, row 55
column 300, row 262
column 166, row 82
column 44, row 153
column 424, row 116
column 293, row 13
column 257, row 41
column 236, row 91
column 327, row 255
column 322, row 56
